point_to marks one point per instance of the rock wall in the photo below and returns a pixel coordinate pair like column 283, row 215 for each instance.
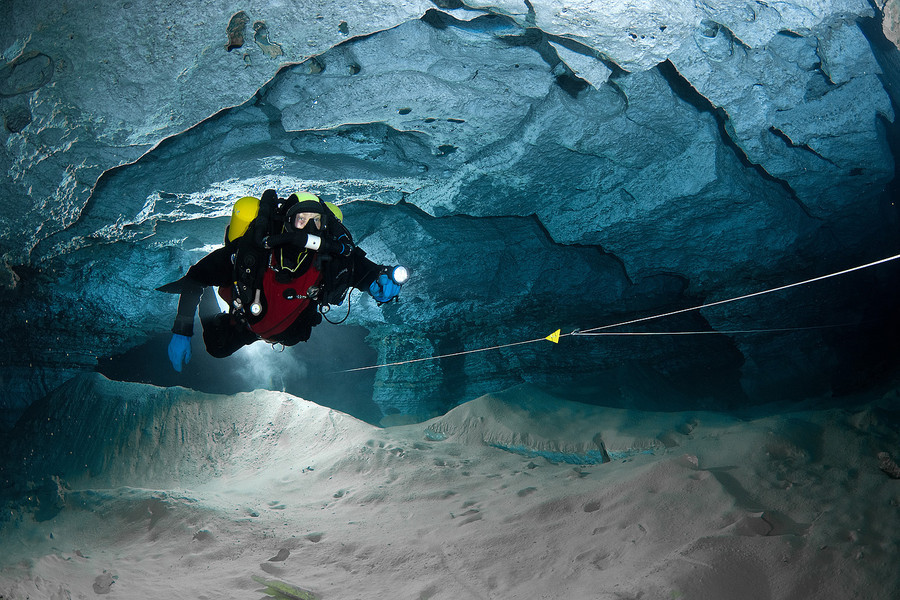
column 536, row 165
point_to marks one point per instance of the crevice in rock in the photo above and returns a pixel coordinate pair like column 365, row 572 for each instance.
column 711, row 29
column 614, row 85
column 682, row 88
column 819, row 85
column 571, row 83
column 448, row 4
column 276, row 126
column 484, row 22
column 437, row 19
column 531, row 17
column 580, row 48
column 597, row 247
column 789, row 33
column 787, row 140
column 529, row 36
column 407, row 205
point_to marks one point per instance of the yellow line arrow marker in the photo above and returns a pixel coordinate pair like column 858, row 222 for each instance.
column 553, row 337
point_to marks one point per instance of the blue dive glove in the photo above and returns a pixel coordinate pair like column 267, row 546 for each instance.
column 384, row 289
column 180, row 351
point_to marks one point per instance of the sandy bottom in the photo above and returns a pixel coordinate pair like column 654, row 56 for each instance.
column 174, row 494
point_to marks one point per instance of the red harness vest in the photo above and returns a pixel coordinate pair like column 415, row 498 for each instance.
column 282, row 302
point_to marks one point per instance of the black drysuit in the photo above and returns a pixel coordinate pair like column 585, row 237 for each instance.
column 225, row 333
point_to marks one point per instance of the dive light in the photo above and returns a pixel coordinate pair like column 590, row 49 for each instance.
column 399, row 274
column 387, row 292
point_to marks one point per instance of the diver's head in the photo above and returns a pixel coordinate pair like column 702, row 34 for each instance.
column 303, row 221
column 305, row 214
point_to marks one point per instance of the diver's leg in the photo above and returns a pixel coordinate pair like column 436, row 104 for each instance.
column 301, row 328
column 223, row 336
column 209, row 307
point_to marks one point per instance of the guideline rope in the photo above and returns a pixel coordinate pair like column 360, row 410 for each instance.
column 711, row 331
column 415, row 360
column 744, row 297
column 600, row 331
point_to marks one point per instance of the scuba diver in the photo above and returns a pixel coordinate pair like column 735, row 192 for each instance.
column 284, row 262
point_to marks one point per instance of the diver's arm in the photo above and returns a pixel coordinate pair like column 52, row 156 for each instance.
column 378, row 280
column 364, row 270
column 214, row 269
column 305, row 241
column 187, row 307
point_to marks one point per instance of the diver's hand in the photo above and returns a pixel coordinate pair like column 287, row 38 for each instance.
column 292, row 238
column 180, row 351
column 384, row 289
column 336, row 247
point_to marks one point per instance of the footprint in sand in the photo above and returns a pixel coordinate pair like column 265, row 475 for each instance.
column 281, row 556
column 470, row 516
column 204, row 536
column 103, row 583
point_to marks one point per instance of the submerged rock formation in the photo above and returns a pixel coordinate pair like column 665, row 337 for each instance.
column 537, row 166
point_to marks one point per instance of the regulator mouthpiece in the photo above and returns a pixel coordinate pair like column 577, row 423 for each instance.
column 399, row 274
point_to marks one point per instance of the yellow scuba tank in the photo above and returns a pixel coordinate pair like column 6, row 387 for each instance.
column 242, row 214
column 335, row 210
column 244, row 211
